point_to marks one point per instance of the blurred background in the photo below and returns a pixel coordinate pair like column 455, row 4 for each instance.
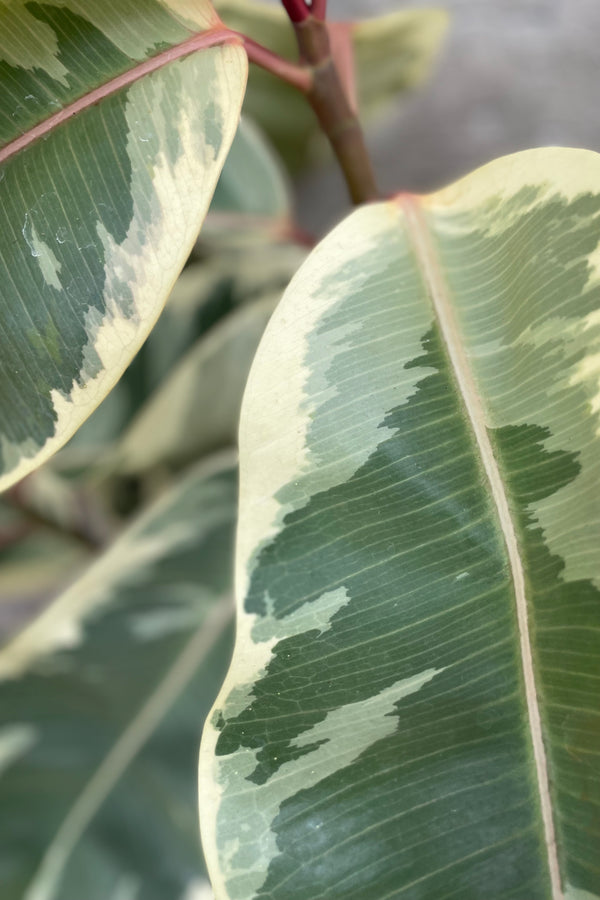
column 512, row 74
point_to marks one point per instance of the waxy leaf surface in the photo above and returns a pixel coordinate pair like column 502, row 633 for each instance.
column 100, row 202
column 413, row 709
column 102, row 699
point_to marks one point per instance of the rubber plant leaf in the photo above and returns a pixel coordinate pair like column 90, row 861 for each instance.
column 236, row 270
column 413, row 708
column 101, row 697
column 115, row 122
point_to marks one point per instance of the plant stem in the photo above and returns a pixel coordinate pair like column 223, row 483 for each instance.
column 318, row 9
column 334, row 111
column 297, row 10
column 298, row 76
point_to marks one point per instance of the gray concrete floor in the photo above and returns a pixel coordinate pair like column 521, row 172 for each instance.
column 512, row 74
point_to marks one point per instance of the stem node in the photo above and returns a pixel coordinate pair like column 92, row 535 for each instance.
column 334, row 111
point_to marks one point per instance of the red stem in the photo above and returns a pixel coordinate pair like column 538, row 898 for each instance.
column 210, row 38
column 334, row 110
column 318, row 9
column 297, row 10
column 298, row 76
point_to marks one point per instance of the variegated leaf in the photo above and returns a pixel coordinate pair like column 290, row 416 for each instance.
column 253, row 189
column 115, row 121
column 413, row 709
column 207, row 294
column 101, row 703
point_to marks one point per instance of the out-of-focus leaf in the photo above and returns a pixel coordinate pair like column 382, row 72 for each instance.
column 252, row 262
column 413, row 709
column 391, row 55
column 101, row 703
column 253, row 188
column 394, row 54
column 102, row 427
column 99, row 208
column 197, row 409
column 49, row 527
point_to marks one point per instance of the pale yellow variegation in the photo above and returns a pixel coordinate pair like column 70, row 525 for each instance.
column 419, row 443
column 100, row 211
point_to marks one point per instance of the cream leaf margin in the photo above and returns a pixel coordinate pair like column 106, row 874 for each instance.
column 178, row 215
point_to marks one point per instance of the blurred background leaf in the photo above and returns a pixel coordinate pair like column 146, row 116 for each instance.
column 103, row 699
column 253, row 184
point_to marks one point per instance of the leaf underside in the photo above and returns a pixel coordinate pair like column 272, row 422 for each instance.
column 97, row 217
column 418, row 573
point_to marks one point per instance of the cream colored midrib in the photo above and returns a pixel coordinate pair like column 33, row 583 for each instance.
column 47, row 877
column 448, row 325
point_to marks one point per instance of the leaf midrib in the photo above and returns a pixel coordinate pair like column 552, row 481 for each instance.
column 433, row 277
column 215, row 36
column 129, row 744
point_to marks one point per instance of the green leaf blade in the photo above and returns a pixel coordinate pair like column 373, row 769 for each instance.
column 98, row 217
column 54, row 54
column 546, row 431
column 101, row 696
column 377, row 735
